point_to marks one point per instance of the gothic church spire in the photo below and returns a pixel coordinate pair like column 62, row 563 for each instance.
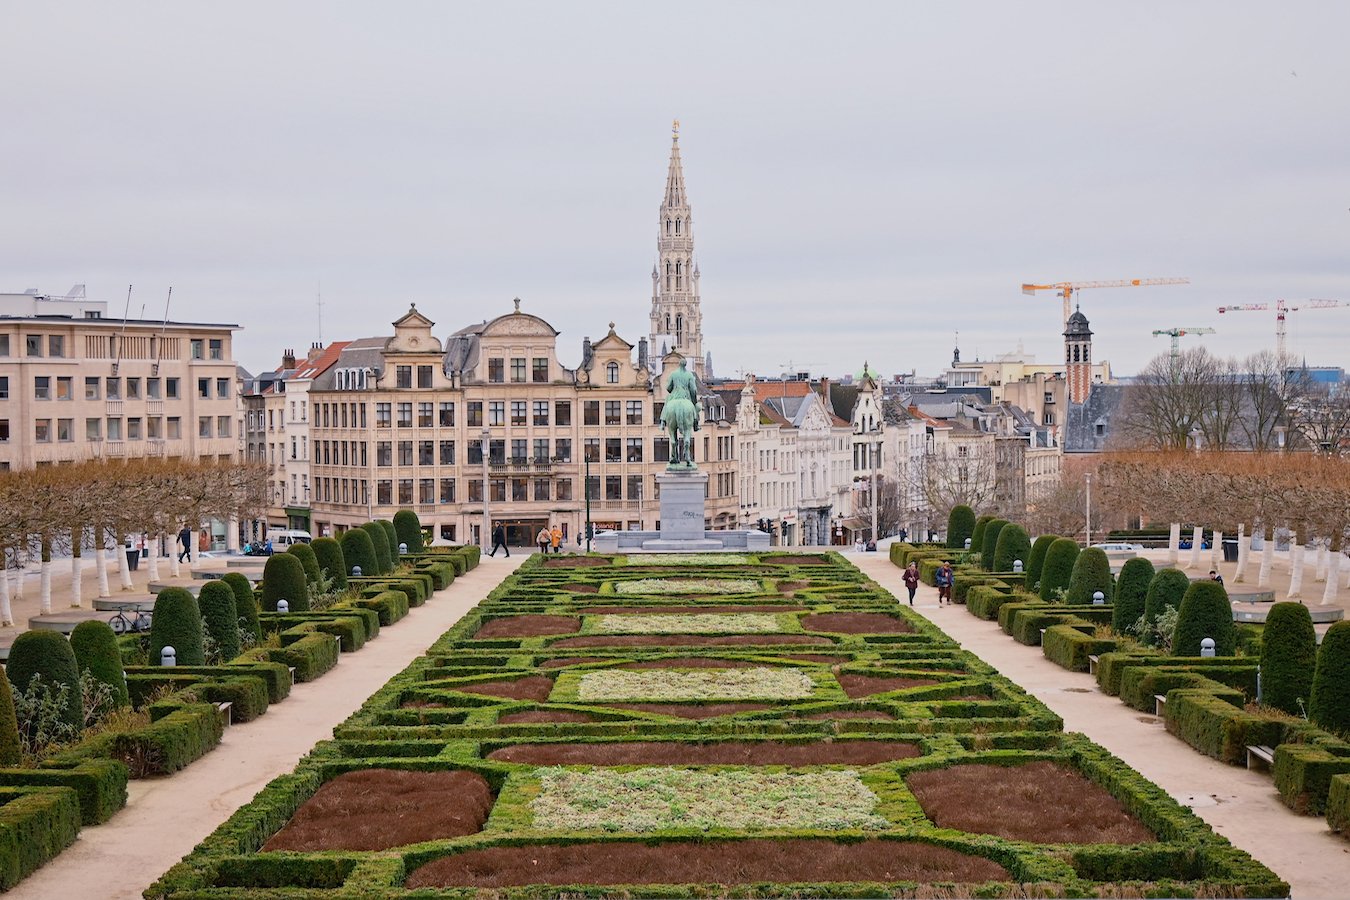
column 676, row 317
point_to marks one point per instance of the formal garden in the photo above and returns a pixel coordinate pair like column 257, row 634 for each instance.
column 753, row 725
column 1254, row 695
column 81, row 717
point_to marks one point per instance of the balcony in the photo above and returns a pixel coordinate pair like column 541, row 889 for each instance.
column 114, row 448
column 154, row 407
column 522, row 465
column 615, row 505
column 114, row 407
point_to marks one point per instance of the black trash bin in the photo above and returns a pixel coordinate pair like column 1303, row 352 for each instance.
column 1230, row 550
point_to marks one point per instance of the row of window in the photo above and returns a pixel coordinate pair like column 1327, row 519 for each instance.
column 497, row 370
column 117, row 428
column 522, row 451
column 62, row 387
column 53, row 346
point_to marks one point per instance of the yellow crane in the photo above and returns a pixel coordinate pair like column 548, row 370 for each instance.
column 1177, row 334
column 1282, row 308
column 1068, row 288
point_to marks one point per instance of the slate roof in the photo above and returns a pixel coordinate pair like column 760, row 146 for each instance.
column 1080, row 430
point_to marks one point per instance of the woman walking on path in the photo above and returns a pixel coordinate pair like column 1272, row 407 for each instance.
column 944, row 583
column 555, row 536
column 911, row 577
column 543, row 539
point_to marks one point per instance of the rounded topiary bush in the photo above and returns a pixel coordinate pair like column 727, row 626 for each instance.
column 358, row 550
column 1013, row 544
column 391, row 536
column 1131, row 589
column 1330, row 703
column 220, row 617
column 177, row 623
column 1166, row 589
column 380, row 544
column 960, row 525
column 10, row 750
column 409, row 529
column 1204, row 613
column 245, row 604
column 977, row 533
column 284, row 579
column 328, row 552
column 1091, row 573
column 1036, row 561
column 991, row 532
column 46, row 655
column 308, row 561
column 97, row 653
column 1288, row 657
column 1058, row 566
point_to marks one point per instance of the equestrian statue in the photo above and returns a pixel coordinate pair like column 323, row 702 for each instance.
column 680, row 417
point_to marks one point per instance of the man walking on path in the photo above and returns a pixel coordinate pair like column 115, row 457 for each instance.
column 499, row 540
column 911, row 577
column 943, row 578
column 185, row 538
column 543, row 539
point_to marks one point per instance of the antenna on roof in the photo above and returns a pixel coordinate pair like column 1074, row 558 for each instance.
column 163, row 331
column 126, row 311
column 320, row 288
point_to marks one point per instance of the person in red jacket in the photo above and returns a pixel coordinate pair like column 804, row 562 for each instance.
column 911, row 577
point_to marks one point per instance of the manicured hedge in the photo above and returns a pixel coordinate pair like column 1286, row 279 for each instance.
column 10, row 749
column 379, row 541
column 328, row 553
column 1070, row 646
column 96, row 651
column 960, row 525
column 177, row 623
column 100, row 785
column 1012, row 545
column 245, row 603
column 409, row 529
column 359, row 552
column 308, row 560
column 1205, row 613
column 977, row 533
column 47, row 655
column 220, row 617
column 391, row 541
column 1058, row 567
column 36, row 823
column 1131, row 589
column 1338, row 805
column 1303, row 773
column 1036, row 561
column 983, row 600
column 1217, row 728
column 284, row 579
column 1330, row 704
column 1091, row 574
column 391, row 606
column 1288, row 658
column 992, row 530
column 311, row 655
column 1166, row 589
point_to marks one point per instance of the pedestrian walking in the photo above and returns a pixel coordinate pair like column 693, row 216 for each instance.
column 911, row 577
column 555, row 538
column 185, row 539
column 544, row 539
column 499, row 540
column 943, row 579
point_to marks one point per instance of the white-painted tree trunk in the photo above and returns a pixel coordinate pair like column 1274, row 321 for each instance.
column 1244, row 553
column 76, row 587
column 1197, row 538
column 45, row 588
column 123, row 570
column 101, row 567
column 1295, row 569
column 6, row 612
column 1216, row 551
column 174, row 565
column 1333, row 578
column 232, row 534
column 1267, row 557
column 1173, row 543
column 152, row 561
column 1321, row 573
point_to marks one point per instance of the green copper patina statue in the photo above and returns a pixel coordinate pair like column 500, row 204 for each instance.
column 680, row 417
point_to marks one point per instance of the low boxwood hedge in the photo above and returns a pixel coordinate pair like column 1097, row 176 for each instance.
column 100, row 785
column 311, row 655
column 36, row 823
column 1217, row 728
column 1303, row 773
column 390, row 605
column 1070, row 646
column 1338, row 805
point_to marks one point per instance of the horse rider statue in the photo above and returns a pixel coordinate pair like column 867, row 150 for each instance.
column 680, row 416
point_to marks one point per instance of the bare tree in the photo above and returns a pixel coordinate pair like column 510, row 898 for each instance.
column 1168, row 399
column 958, row 474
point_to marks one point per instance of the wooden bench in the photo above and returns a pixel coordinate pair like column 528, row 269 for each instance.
column 224, row 710
column 1159, row 704
column 292, row 668
column 1092, row 664
column 1263, row 756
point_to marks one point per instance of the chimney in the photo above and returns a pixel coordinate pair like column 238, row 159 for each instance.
column 288, row 359
column 586, row 353
column 825, row 392
column 642, row 352
column 315, row 351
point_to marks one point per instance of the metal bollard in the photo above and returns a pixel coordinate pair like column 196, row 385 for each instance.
column 1098, row 598
column 967, row 543
column 402, row 549
column 168, row 657
column 1207, row 647
column 1017, row 565
column 356, row 571
column 283, row 606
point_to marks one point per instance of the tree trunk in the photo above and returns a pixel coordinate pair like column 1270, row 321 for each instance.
column 1295, row 569
column 1216, row 550
column 232, row 534
column 1197, row 538
column 123, row 570
column 152, row 561
column 6, row 613
column 1267, row 556
column 1244, row 548
column 76, row 568
column 1321, row 574
column 1173, row 542
column 101, row 563
column 45, row 579
column 1333, row 577
column 173, row 558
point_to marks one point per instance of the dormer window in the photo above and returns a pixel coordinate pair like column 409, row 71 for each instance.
column 612, row 373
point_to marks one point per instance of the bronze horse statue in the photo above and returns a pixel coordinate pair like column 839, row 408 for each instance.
column 680, row 416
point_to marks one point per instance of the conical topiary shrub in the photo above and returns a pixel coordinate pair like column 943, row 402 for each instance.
column 97, row 653
column 1013, row 544
column 409, row 529
column 284, row 579
column 331, row 562
column 391, row 536
column 177, row 623
column 245, row 604
column 308, row 561
column 1131, row 589
column 10, row 749
column 1058, row 567
column 1204, row 613
column 977, row 533
column 1166, row 589
column 46, row 655
column 220, row 617
column 960, row 525
column 992, row 530
column 1036, row 562
column 380, row 544
column 359, row 552
column 1330, row 703
column 1288, row 658
column 1091, row 573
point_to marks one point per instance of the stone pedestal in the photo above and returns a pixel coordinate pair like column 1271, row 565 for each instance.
column 682, row 499
column 682, row 529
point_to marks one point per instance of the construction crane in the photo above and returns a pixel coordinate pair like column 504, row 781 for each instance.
column 1282, row 308
column 1177, row 334
column 1068, row 288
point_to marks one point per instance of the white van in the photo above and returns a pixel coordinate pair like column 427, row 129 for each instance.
column 285, row 538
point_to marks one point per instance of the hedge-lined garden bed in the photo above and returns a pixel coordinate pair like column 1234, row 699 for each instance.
column 693, row 765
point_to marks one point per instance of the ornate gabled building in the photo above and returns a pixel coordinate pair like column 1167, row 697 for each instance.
column 676, row 316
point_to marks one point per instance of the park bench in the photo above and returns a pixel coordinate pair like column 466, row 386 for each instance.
column 1092, row 664
column 1263, row 756
column 1159, row 704
column 224, row 710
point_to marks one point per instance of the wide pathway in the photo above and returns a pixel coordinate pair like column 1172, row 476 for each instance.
column 166, row 817
column 1242, row 806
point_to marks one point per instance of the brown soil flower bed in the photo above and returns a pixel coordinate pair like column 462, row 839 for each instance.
column 684, row 610
column 691, row 662
column 563, row 662
column 575, row 562
column 582, row 588
column 691, row 710
column 817, row 657
column 840, row 715
column 531, row 716
column 687, row 640
column 788, row 587
column 1040, row 801
column 865, row 685
column 731, row 753
column 709, row 862
column 794, row 560
column 376, row 809
column 857, row 623
column 532, row 687
column 528, row 626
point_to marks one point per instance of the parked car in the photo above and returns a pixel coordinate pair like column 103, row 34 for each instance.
column 1117, row 547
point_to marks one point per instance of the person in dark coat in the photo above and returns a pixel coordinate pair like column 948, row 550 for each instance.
column 185, row 538
column 499, row 540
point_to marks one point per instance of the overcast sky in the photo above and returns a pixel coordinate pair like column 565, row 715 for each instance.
column 866, row 178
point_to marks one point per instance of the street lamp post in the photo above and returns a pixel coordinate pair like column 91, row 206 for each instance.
column 587, row 491
column 487, row 491
column 1087, row 526
column 875, row 448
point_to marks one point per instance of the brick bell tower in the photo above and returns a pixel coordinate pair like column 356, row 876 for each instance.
column 1078, row 356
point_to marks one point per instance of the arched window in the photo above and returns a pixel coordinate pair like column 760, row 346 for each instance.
column 667, row 323
column 669, row 281
column 612, row 373
column 677, row 226
column 1075, row 353
column 667, row 226
column 679, row 276
column 679, row 328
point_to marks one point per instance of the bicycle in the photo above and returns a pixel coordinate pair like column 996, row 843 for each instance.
column 133, row 624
